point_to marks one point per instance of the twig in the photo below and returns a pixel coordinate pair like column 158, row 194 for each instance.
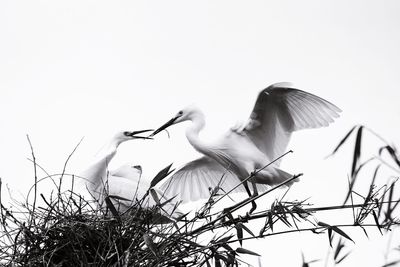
column 36, row 180
column 253, row 174
column 67, row 160
column 251, row 199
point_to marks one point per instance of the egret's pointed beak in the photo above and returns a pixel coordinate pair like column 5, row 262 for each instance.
column 165, row 126
column 134, row 134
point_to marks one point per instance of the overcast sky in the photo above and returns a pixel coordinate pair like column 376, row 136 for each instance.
column 88, row 69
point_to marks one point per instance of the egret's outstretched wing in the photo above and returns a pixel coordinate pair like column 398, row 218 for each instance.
column 193, row 181
column 280, row 110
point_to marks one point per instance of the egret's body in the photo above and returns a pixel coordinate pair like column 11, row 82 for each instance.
column 123, row 185
column 278, row 111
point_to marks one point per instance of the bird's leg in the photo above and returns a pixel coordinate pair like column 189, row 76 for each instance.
column 255, row 190
column 246, row 186
column 255, row 193
column 253, row 203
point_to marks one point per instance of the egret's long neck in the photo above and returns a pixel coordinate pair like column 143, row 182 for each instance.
column 106, row 154
column 109, row 152
column 96, row 174
column 192, row 133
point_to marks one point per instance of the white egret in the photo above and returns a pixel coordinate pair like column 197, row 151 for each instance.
column 278, row 111
column 123, row 185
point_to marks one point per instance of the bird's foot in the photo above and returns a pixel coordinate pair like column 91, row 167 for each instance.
column 253, row 207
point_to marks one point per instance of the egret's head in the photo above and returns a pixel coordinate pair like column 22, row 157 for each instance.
column 188, row 113
column 130, row 135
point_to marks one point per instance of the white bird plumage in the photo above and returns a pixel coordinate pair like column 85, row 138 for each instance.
column 278, row 111
column 124, row 184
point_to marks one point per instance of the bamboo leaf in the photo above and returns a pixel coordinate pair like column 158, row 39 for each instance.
column 225, row 239
column 284, row 220
column 390, row 199
column 246, row 251
column 247, row 229
column 330, row 236
column 343, row 140
column 392, row 153
column 365, row 231
column 305, row 264
column 340, row 232
column 154, row 195
column 357, row 152
column 239, row 232
column 329, row 227
column 150, row 244
column 392, row 263
column 270, row 221
column 323, row 224
column 161, row 175
column 262, row 230
column 377, row 221
column 167, row 201
column 342, row 258
column 227, row 247
column 182, row 216
column 339, row 247
column 112, row 208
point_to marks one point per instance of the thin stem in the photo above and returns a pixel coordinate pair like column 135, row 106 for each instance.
column 247, row 201
column 251, row 199
column 267, row 235
column 67, row 160
column 36, row 181
column 252, row 175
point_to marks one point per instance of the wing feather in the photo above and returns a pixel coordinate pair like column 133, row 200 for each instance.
column 192, row 181
column 308, row 108
column 279, row 111
column 324, row 114
column 306, row 120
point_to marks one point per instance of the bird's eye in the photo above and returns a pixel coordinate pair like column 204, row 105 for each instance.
column 180, row 112
column 127, row 133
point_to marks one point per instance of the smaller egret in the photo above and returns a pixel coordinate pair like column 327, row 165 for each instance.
column 278, row 111
column 123, row 185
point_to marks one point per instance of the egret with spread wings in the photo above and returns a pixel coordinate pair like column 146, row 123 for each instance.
column 278, row 111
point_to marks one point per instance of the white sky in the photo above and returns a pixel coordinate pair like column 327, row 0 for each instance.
column 78, row 69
